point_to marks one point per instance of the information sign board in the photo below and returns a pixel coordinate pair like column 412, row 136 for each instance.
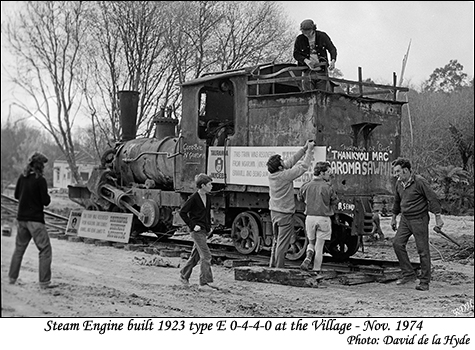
column 106, row 226
column 247, row 165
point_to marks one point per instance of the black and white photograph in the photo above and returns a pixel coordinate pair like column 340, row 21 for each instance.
column 210, row 172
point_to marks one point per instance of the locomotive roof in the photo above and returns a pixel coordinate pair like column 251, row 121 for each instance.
column 250, row 70
column 274, row 70
column 219, row 75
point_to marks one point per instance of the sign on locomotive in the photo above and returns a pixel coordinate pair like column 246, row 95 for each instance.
column 232, row 121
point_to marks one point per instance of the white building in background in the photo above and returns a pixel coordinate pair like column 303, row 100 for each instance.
column 62, row 176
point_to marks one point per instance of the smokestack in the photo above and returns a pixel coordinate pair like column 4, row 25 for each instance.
column 128, row 103
column 165, row 126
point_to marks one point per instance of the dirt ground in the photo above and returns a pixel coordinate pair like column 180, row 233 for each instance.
column 104, row 281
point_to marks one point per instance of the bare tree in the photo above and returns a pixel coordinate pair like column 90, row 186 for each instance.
column 130, row 54
column 188, row 34
column 16, row 137
column 103, row 47
column 102, row 67
column 45, row 38
column 221, row 35
column 250, row 33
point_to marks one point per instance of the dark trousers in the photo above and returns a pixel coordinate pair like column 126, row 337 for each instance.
column 316, row 84
column 199, row 252
column 26, row 231
column 419, row 227
column 283, row 223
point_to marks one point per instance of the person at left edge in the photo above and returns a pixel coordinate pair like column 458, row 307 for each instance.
column 32, row 193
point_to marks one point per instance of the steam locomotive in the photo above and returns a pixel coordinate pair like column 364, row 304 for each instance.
column 231, row 122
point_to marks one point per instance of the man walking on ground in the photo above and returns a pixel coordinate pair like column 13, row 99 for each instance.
column 413, row 199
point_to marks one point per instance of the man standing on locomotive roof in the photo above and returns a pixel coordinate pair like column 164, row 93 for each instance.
column 413, row 199
column 310, row 48
column 282, row 202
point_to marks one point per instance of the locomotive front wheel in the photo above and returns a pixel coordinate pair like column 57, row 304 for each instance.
column 245, row 233
column 299, row 241
column 342, row 244
column 149, row 213
column 92, row 207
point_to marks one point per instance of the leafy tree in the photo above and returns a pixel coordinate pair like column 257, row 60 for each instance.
column 443, row 122
column 464, row 145
column 442, row 140
column 456, row 187
column 449, row 78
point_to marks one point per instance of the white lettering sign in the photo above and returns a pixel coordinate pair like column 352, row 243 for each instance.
column 106, row 226
column 247, row 165
column 361, row 163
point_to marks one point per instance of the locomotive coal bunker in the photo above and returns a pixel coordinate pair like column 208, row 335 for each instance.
column 232, row 121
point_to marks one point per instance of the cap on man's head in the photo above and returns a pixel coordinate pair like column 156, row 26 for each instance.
column 307, row 24
column 38, row 157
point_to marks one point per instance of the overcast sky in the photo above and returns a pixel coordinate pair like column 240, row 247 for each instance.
column 375, row 35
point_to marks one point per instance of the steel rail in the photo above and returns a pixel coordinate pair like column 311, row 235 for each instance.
column 225, row 251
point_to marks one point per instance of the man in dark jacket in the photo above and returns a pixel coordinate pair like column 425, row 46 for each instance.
column 413, row 199
column 32, row 193
column 311, row 47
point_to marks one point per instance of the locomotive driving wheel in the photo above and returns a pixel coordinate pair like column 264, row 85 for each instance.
column 149, row 213
column 299, row 241
column 342, row 244
column 246, row 232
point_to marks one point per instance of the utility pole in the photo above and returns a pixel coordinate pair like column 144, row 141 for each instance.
column 401, row 79
column 404, row 62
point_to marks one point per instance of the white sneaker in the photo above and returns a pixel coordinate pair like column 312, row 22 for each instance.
column 184, row 281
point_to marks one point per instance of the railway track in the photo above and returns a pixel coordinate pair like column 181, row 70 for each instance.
column 55, row 221
column 58, row 225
